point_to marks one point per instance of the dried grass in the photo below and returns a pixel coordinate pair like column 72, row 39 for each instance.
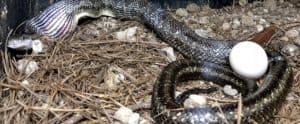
column 68, row 87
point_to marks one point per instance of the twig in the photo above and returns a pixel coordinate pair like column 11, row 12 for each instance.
column 107, row 115
column 27, row 89
column 10, row 86
column 74, row 119
column 239, row 112
column 51, row 109
column 4, row 109
column 131, row 78
column 13, row 114
column 140, row 106
column 221, row 100
column 221, row 111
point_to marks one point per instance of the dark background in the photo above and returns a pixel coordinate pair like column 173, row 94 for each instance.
column 14, row 12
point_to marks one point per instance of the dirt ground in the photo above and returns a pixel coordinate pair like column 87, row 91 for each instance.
column 88, row 76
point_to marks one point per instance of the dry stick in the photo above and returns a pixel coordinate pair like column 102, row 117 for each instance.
column 4, row 109
column 118, row 41
column 287, row 117
column 240, row 107
column 12, row 115
column 27, row 89
column 297, row 75
column 10, row 86
column 7, row 65
column 48, row 102
column 50, row 109
column 74, row 119
column 220, row 109
column 106, row 114
column 140, row 106
column 220, row 100
column 131, row 78
column 60, row 118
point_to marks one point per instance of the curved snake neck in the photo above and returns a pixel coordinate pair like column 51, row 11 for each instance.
column 208, row 60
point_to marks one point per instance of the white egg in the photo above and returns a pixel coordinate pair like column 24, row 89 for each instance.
column 248, row 59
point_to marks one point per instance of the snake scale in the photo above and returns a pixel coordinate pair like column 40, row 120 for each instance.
column 206, row 59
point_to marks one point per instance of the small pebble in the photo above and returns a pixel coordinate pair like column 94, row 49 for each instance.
column 265, row 10
column 297, row 41
column 25, row 82
column 234, row 33
column 192, row 7
column 262, row 21
column 270, row 4
column 127, row 116
column 243, row 2
column 249, row 13
column 228, row 90
column 236, row 23
column 144, row 121
column 37, row 46
column 181, row 12
column 291, row 50
column 226, row 26
column 284, row 38
column 86, row 37
column 169, row 53
column 203, row 20
column 203, row 33
column 195, row 101
column 248, row 21
column 177, row 93
column 112, row 78
column 128, row 34
column 27, row 66
column 292, row 33
column 259, row 28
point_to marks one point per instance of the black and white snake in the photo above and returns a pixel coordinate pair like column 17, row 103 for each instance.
column 207, row 60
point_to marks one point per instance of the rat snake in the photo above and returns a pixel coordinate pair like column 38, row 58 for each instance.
column 207, row 60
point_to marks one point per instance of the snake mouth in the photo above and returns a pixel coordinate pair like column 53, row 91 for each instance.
column 60, row 19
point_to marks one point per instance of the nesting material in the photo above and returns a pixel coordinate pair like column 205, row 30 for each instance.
column 292, row 33
column 297, row 41
column 192, row 7
column 226, row 26
column 72, row 70
column 236, row 23
column 128, row 34
column 259, row 28
column 181, row 12
column 195, row 101
column 291, row 50
column 203, row 33
column 113, row 78
column 169, row 53
column 27, row 66
column 127, row 116
column 228, row 90
column 25, row 82
column 243, row 2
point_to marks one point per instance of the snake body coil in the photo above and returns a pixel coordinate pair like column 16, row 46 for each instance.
column 208, row 60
